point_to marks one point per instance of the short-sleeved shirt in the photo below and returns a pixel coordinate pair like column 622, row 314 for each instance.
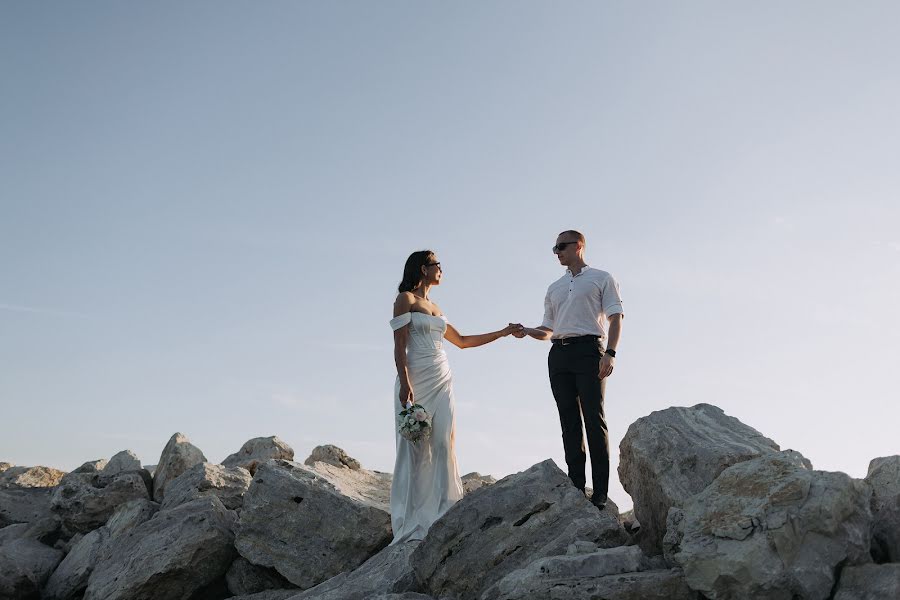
column 582, row 304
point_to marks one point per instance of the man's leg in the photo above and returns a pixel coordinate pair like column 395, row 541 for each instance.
column 565, row 392
column 591, row 393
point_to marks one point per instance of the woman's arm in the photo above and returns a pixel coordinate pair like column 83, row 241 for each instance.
column 401, row 338
column 473, row 341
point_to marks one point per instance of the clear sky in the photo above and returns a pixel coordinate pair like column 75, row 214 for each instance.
column 205, row 208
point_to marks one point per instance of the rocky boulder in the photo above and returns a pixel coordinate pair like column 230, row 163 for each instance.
column 126, row 460
column 475, row 481
column 311, row 525
column 173, row 555
column 524, row 517
column 178, row 456
column 771, row 528
column 244, row 578
column 672, row 454
column 25, row 565
column 259, row 450
column 30, row 477
column 333, row 456
column 884, row 477
column 205, row 479
column 869, row 582
column 85, row 500
column 24, row 505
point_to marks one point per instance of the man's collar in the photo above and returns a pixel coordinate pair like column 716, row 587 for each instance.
column 583, row 269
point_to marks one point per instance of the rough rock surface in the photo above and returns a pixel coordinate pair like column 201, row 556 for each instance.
column 259, row 450
column 178, row 456
column 71, row 576
column 245, row 578
column 126, row 460
column 387, row 572
column 308, row 526
column 173, row 555
column 475, row 481
column 869, row 582
column 884, row 477
column 672, row 454
column 24, row 505
column 92, row 466
column 266, row 595
column 131, row 514
column 5, row 465
column 332, row 455
column 205, row 479
column 30, row 477
column 84, row 501
column 771, row 528
column 523, row 517
column 25, row 566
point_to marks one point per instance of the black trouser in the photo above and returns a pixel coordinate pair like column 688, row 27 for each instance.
column 579, row 391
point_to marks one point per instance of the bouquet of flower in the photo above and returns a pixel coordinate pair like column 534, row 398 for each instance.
column 415, row 423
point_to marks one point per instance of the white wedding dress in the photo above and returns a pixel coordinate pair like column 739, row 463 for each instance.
column 426, row 479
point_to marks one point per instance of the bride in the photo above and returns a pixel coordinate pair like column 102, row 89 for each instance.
column 426, row 479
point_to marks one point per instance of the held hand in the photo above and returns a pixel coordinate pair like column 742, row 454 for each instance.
column 606, row 366
column 514, row 329
column 522, row 332
column 406, row 396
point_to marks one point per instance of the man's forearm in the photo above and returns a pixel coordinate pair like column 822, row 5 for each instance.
column 539, row 333
column 615, row 330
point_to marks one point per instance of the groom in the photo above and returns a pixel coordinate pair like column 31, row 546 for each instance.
column 583, row 320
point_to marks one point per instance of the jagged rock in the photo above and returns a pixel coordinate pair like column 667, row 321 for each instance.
column 884, row 477
column 310, row 525
column 126, row 460
column 387, row 572
column 770, row 528
column 333, row 456
column 245, row 578
column 370, row 487
column 24, row 505
column 45, row 530
column 30, row 477
column 70, row 578
column 869, row 582
column 5, row 465
column 259, row 450
column 130, row 515
column 25, row 566
column 205, row 479
column 178, row 456
column 267, row 595
column 173, row 555
column 523, row 517
column 85, row 500
column 475, row 481
column 672, row 454
column 92, row 466
column 403, row 596
column 593, row 574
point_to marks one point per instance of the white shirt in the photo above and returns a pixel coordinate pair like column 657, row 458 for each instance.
column 581, row 304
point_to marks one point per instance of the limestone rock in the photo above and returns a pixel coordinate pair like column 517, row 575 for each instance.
column 770, row 528
column 85, row 500
column 130, row 515
column 70, row 578
column 332, row 455
column 523, row 517
column 5, row 465
column 309, row 525
column 884, row 477
column 267, row 595
column 24, row 505
column 126, row 460
column 30, row 477
column 259, row 450
column 672, row 454
column 173, row 555
column 25, row 566
column 387, row 572
column 869, row 582
column 178, row 456
column 205, row 479
column 475, row 481
column 92, row 466
column 245, row 578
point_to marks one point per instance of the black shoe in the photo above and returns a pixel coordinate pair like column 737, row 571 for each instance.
column 600, row 503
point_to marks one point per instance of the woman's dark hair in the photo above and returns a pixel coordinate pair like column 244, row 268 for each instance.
column 412, row 271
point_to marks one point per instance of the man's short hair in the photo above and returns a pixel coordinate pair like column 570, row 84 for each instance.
column 576, row 234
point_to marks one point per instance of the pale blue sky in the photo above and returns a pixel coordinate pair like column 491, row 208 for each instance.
column 206, row 208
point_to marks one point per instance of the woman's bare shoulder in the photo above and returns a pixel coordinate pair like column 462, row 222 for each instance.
column 403, row 303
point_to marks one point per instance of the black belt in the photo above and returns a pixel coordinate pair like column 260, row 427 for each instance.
column 581, row 339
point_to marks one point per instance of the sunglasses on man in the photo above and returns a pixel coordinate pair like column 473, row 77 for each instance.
column 561, row 246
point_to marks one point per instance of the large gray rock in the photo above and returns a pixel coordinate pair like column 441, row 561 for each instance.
column 266, row 595
column 24, row 505
column 884, row 477
column 84, row 501
column 332, row 455
column 592, row 574
column 178, row 456
column 771, row 528
column 205, row 479
column 70, row 578
column 475, row 481
column 672, row 454
column 92, row 466
column 126, row 460
column 172, row 556
column 30, row 477
column 387, row 572
column 259, row 450
column 869, row 582
column 523, row 517
column 130, row 515
column 25, row 566
column 244, row 578
column 310, row 525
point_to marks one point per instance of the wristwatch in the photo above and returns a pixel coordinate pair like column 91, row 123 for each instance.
column 611, row 352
